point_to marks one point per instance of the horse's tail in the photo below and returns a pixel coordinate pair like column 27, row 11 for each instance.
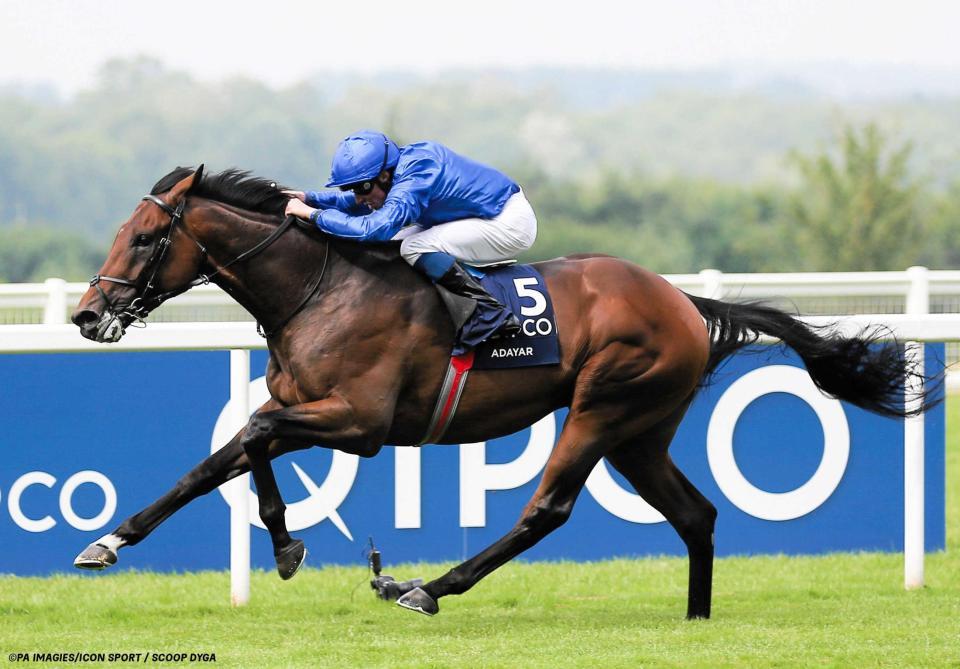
column 861, row 370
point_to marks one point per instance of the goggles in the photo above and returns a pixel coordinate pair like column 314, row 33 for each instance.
column 362, row 188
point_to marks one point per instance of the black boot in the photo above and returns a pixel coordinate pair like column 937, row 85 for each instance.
column 459, row 282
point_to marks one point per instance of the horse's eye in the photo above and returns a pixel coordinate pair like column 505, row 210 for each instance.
column 143, row 240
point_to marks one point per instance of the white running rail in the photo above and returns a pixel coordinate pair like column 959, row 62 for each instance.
column 822, row 293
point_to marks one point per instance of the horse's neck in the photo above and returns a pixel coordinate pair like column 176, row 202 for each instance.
column 264, row 283
column 273, row 283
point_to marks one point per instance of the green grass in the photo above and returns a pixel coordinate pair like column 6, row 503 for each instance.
column 841, row 610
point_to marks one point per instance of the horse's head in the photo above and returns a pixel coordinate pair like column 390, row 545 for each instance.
column 152, row 259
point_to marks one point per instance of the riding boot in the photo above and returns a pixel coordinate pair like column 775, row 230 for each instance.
column 459, row 282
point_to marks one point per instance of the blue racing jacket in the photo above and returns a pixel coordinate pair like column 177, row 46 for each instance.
column 431, row 185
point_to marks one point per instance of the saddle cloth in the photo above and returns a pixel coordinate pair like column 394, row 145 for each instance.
column 522, row 289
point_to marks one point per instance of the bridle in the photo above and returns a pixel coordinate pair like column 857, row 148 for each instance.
column 141, row 305
column 144, row 303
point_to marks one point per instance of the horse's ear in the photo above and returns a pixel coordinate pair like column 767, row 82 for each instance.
column 182, row 187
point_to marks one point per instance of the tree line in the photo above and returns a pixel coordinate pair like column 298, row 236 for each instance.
column 852, row 208
column 71, row 171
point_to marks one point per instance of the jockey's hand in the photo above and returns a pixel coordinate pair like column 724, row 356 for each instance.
column 297, row 208
column 299, row 194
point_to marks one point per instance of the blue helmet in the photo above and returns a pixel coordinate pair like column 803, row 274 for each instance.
column 361, row 157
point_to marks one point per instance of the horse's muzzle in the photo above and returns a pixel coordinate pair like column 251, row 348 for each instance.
column 103, row 327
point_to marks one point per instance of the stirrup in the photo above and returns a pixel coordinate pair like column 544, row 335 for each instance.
column 508, row 329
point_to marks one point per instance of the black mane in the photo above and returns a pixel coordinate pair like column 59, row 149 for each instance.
column 235, row 187
column 239, row 188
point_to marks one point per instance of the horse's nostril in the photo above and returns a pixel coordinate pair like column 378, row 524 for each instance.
column 83, row 317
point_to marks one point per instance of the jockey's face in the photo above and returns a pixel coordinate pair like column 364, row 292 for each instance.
column 375, row 198
column 372, row 193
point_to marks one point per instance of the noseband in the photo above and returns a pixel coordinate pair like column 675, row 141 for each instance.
column 141, row 305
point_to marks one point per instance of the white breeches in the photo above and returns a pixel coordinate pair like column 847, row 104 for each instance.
column 478, row 241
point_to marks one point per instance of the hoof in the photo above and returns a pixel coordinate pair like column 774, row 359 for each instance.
column 389, row 590
column 95, row 557
column 418, row 600
column 290, row 559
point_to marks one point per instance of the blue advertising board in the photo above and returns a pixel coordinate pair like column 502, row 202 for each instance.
column 90, row 439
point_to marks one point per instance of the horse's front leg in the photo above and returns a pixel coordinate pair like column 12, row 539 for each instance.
column 331, row 422
column 218, row 468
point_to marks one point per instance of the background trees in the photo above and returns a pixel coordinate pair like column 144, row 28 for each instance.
column 859, row 210
column 675, row 179
column 33, row 255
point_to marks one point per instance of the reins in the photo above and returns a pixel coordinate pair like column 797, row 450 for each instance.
column 246, row 255
column 141, row 305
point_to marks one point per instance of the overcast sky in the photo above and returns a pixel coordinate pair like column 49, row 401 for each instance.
column 284, row 41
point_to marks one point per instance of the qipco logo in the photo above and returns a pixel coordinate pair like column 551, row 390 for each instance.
column 478, row 477
column 65, row 499
column 836, row 444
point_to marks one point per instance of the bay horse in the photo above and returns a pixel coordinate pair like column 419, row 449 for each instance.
column 359, row 344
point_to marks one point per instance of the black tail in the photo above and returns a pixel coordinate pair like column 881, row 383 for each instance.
column 860, row 370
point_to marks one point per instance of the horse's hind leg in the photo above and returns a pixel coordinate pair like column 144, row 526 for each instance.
column 579, row 449
column 649, row 468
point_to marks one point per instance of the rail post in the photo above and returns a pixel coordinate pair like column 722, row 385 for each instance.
column 238, row 488
column 712, row 283
column 918, row 302
column 55, row 308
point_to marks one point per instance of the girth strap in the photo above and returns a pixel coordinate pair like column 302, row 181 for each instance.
column 449, row 397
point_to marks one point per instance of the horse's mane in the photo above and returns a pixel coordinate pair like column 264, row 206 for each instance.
column 241, row 189
column 233, row 186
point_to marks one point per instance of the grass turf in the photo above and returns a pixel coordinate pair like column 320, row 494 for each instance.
column 840, row 610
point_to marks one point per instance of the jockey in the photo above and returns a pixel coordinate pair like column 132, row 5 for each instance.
column 444, row 208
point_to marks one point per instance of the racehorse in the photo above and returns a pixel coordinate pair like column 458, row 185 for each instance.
column 359, row 343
